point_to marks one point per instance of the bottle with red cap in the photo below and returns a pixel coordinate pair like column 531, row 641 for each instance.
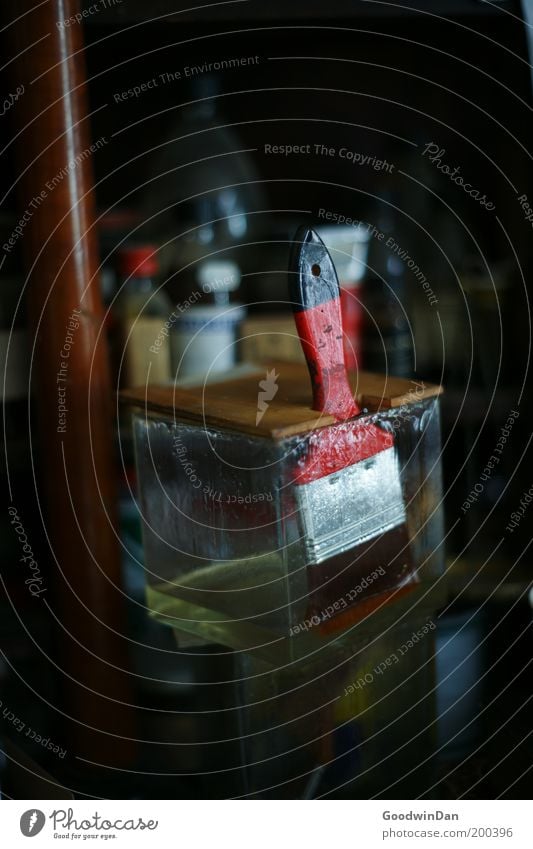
column 142, row 310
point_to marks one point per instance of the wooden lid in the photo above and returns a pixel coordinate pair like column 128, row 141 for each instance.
column 233, row 404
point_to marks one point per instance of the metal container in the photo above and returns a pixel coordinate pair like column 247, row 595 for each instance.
column 227, row 541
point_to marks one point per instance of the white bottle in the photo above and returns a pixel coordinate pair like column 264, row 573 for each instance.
column 203, row 338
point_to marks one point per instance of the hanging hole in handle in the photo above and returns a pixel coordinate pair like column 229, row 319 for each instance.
column 315, row 270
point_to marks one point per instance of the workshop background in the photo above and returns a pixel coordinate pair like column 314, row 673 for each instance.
column 156, row 164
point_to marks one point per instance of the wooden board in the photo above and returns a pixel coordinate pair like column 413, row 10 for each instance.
column 232, row 404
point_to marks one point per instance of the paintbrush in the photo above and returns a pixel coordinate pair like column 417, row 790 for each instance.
column 348, row 486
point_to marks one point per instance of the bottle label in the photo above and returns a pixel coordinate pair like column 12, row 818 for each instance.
column 140, row 365
column 204, row 340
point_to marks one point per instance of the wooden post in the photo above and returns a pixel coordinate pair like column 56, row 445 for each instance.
column 72, row 389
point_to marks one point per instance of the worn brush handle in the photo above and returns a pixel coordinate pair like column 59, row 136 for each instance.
column 315, row 295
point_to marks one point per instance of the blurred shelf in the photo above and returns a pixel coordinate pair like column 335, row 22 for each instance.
column 472, row 406
column 162, row 11
column 469, row 580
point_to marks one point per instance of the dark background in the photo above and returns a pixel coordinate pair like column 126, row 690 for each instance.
column 385, row 81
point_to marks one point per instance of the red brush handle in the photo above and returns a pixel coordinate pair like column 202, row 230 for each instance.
column 320, row 332
column 316, row 298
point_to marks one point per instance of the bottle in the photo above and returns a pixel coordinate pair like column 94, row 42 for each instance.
column 201, row 189
column 387, row 345
column 202, row 177
column 203, row 338
column 142, row 311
